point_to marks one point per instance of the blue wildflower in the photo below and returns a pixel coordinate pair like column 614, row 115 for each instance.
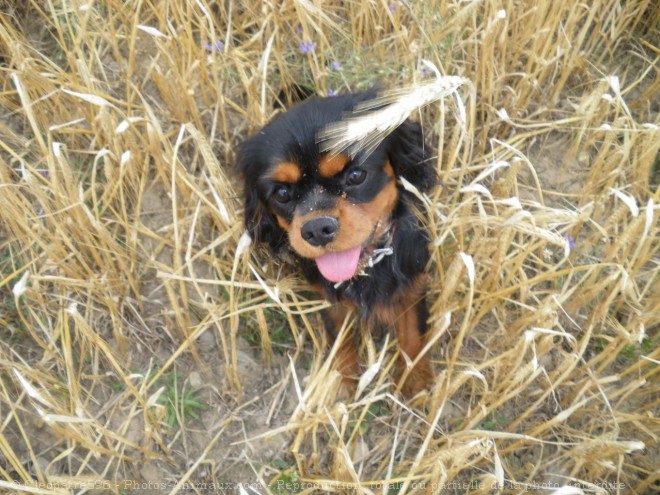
column 307, row 47
column 216, row 47
column 571, row 241
column 335, row 65
column 393, row 7
column 332, row 92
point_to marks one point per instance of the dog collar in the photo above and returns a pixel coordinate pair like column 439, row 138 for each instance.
column 380, row 252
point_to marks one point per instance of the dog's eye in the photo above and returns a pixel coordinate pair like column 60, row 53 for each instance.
column 356, row 176
column 282, row 194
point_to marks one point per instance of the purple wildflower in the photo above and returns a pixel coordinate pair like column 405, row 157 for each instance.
column 571, row 241
column 216, row 46
column 335, row 65
column 393, row 7
column 307, row 47
column 299, row 29
column 426, row 72
column 332, row 92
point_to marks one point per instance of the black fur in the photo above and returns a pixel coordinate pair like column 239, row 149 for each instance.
column 292, row 136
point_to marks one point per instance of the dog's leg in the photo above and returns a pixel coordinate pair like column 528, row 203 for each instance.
column 407, row 313
column 346, row 359
column 410, row 327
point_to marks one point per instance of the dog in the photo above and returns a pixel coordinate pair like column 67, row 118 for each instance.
column 348, row 222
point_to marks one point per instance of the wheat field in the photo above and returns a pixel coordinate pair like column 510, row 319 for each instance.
column 148, row 348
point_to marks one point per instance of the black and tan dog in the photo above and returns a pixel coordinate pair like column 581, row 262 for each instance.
column 349, row 222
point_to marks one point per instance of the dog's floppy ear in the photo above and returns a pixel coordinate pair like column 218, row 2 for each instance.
column 259, row 221
column 410, row 157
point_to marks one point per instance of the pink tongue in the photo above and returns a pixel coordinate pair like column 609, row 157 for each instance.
column 337, row 267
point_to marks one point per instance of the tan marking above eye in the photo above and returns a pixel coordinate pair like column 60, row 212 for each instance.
column 331, row 165
column 388, row 169
column 287, row 172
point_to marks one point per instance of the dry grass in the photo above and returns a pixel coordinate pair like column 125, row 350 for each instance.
column 146, row 350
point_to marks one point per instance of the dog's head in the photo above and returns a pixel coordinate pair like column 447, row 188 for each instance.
column 328, row 208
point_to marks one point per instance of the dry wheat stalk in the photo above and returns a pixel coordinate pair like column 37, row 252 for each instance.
column 369, row 124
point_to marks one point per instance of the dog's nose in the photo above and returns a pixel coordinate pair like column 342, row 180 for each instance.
column 320, row 231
